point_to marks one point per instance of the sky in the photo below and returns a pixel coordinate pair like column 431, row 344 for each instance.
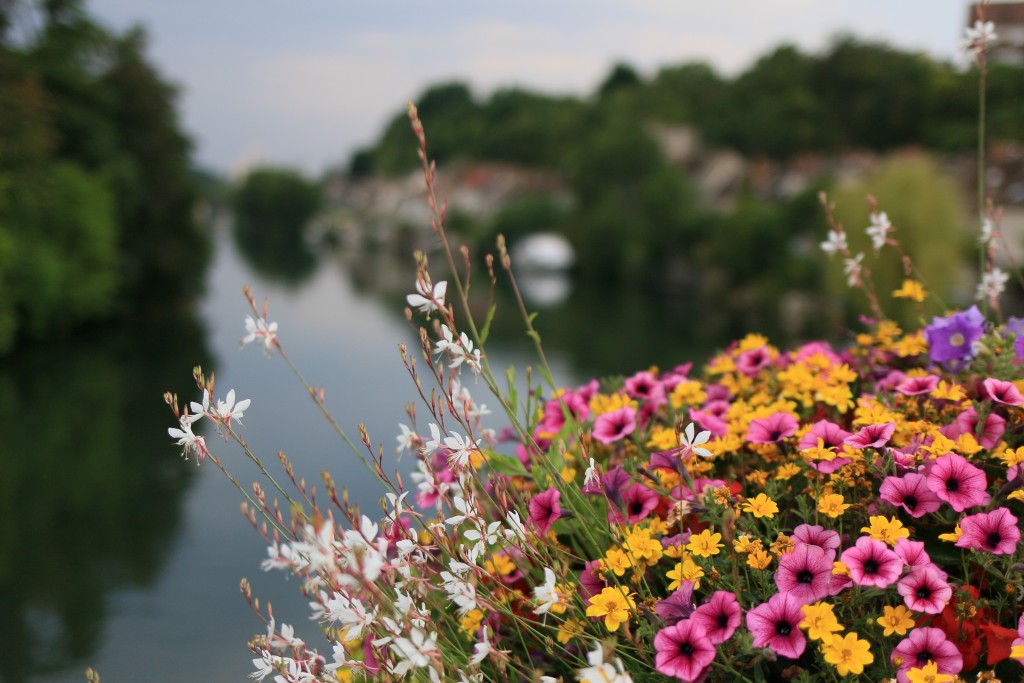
column 304, row 83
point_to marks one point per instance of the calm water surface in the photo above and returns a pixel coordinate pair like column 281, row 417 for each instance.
column 117, row 554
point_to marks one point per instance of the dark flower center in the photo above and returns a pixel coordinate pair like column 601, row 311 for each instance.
column 871, row 567
column 686, row 649
column 774, row 435
column 805, row 576
column 910, row 502
column 636, row 507
column 924, row 656
column 993, row 539
column 924, row 592
column 723, row 620
column 952, row 484
column 783, row 628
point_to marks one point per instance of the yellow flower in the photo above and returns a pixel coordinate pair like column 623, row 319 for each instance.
column 952, row 537
column 947, row 391
column 687, row 570
column 886, row 530
column 848, row 653
column 839, row 569
column 602, row 404
column 1016, row 495
column 1017, row 651
column 761, row 506
column 744, row 544
column 499, row 565
column 612, row 604
column 832, row 504
column 759, row 559
column 642, row 546
column 569, row 630
column 820, row 621
column 470, row 623
column 687, row 393
column 783, row 544
column 705, row 544
column 617, row 561
column 911, row 345
column 911, row 289
column 787, row 471
column 929, row 673
column 896, row 620
column 663, row 438
column 1012, row 457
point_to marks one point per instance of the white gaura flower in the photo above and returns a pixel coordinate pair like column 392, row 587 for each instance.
column 692, row 444
column 434, row 442
column 836, row 242
column 852, row 268
column 408, row 440
column 427, row 300
column 879, row 229
column 599, row 670
column 516, row 529
column 591, row 477
column 260, row 329
column 413, row 652
column 993, row 283
column 988, row 232
column 546, row 594
column 228, row 410
column 977, row 39
column 462, row 450
column 189, row 442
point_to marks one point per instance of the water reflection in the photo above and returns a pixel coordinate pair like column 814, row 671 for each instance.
column 276, row 256
column 90, row 491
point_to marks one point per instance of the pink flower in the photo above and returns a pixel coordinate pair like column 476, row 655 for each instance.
column 772, row 429
column 911, row 493
column 720, row 616
column 805, row 573
column 752, row 361
column 871, row 563
column 957, row 482
column 683, row 650
column 1001, row 391
column 996, row 531
column 925, row 589
column 812, row 534
column 991, row 431
column 677, row 606
column 872, row 436
column 831, row 434
column 776, row 625
column 615, row 425
column 639, row 501
column 644, row 386
column 912, row 553
column 925, row 645
column 916, row 386
column 545, row 510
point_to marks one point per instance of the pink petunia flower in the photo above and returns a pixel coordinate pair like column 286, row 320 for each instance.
column 916, row 386
column 925, row 589
column 772, row 429
column 752, row 361
column 813, row 534
column 545, row 510
column 871, row 563
column 616, row 425
column 991, row 431
column 957, row 482
column 645, row 387
column 805, row 573
column 683, row 650
column 912, row 553
column 831, row 434
column 872, row 436
column 720, row 616
column 1002, row 391
column 776, row 625
column 677, row 606
column 925, row 645
column 996, row 531
column 639, row 501
column 911, row 493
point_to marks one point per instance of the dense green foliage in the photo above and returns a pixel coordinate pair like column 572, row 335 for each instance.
column 96, row 192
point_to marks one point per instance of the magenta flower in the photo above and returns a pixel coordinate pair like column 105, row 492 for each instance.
column 805, row 573
column 1001, row 391
column 545, row 510
column 872, row 436
column 912, row 553
column 957, row 482
column 916, row 386
column 683, row 650
column 677, row 606
column 591, row 582
column 925, row 589
column 831, row 434
column 772, row 429
column 645, row 387
column 720, row 616
column 639, row 502
column 871, row 563
column 996, row 531
column 813, row 534
column 925, row 645
column 991, row 431
column 776, row 625
column 911, row 493
column 618, row 424
column 752, row 361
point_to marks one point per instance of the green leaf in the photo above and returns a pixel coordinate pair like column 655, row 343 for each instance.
column 486, row 329
column 506, row 464
column 513, row 395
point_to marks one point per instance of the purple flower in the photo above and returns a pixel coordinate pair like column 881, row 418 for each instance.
column 805, row 573
column 720, row 616
column 957, row 482
column 872, row 436
column 677, row 606
column 952, row 338
column 910, row 492
column 776, row 625
column 591, row 583
column 996, row 531
column 683, row 650
column 639, row 502
column 813, row 534
column 616, row 425
column 925, row 589
column 925, row 645
column 545, row 510
column 1002, row 391
column 772, row 429
column 871, row 563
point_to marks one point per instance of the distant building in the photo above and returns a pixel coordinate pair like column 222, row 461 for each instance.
column 1008, row 18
